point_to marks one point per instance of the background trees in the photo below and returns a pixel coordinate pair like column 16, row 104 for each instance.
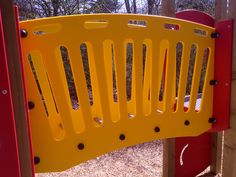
column 30, row 9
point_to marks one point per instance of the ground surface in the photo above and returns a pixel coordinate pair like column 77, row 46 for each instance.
column 137, row 161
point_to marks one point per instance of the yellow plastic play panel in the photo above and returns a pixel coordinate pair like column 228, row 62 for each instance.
column 64, row 134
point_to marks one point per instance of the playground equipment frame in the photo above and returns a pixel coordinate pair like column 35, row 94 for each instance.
column 24, row 154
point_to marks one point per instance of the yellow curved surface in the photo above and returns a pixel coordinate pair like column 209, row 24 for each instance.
column 63, row 135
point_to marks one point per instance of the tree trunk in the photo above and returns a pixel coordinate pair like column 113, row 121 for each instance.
column 127, row 5
column 135, row 7
column 168, row 8
column 150, row 6
column 55, row 6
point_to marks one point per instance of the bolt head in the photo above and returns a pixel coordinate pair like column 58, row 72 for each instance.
column 122, row 137
column 212, row 120
column 31, row 105
column 23, row 33
column 213, row 82
column 4, row 92
column 80, row 146
column 215, row 35
column 187, row 123
column 157, row 129
column 36, row 160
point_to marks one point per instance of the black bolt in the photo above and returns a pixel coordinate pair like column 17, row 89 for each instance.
column 186, row 122
column 122, row 137
column 23, row 33
column 31, row 105
column 215, row 35
column 157, row 129
column 212, row 120
column 213, row 82
column 36, row 160
column 80, row 146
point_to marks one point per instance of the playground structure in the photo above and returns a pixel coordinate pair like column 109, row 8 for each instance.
column 63, row 135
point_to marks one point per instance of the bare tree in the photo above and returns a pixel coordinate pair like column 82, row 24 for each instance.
column 29, row 9
column 131, row 8
column 168, row 8
column 153, row 6
column 104, row 6
column 150, row 6
column 134, row 6
column 127, row 5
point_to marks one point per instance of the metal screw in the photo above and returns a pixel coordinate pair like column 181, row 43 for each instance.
column 80, row 146
column 212, row 120
column 36, row 160
column 31, row 105
column 23, row 33
column 157, row 129
column 213, row 82
column 215, row 35
column 187, row 123
column 122, row 137
column 4, row 92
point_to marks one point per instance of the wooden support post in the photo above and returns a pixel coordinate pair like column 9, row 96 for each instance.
column 216, row 153
column 168, row 9
column 217, row 138
column 17, row 87
column 229, row 160
column 169, row 157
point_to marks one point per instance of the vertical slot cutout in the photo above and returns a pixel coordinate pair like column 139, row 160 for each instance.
column 53, row 97
column 163, row 77
column 129, row 68
column 147, row 60
column 191, row 66
column 144, row 58
column 84, row 55
column 113, row 74
column 179, row 54
column 202, row 78
column 69, row 78
column 37, row 83
column 146, row 77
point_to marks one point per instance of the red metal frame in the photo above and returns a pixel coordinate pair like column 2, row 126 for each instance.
column 196, row 16
column 9, row 163
column 195, row 152
column 25, row 94
column 223, row 75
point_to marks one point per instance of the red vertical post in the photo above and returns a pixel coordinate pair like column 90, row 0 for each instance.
column 24, row 86
column 9, row 158
column 222, row 75
column 18, row 98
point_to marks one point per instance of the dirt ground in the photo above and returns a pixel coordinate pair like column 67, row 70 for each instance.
column 136, row 161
